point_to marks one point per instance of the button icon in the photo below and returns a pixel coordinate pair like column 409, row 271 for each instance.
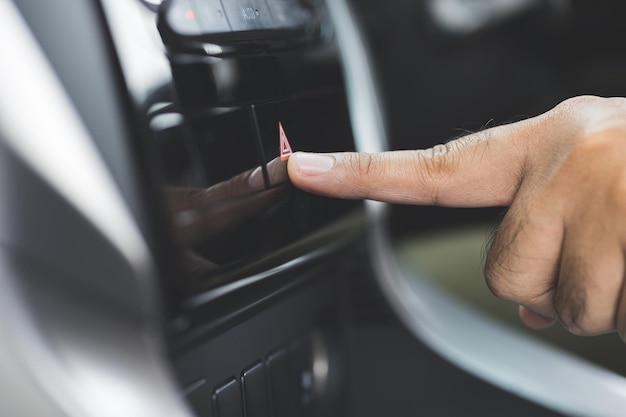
column 285, row 147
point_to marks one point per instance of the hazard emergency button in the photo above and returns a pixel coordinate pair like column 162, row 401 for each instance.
column 285, row 147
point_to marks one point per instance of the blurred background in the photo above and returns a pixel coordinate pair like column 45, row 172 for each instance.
column 448, row 67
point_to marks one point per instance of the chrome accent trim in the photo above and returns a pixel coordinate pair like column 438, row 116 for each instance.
column 482, row 346
column 218, row 292
column 367, row 115
column 462, row 17
column 139, row 46
column 321, row 364
column 23, row 393
column 493, row 351
column 193, row 387
column 327, row 240
column 97, row 368
column 64, row 372
column 40, row 124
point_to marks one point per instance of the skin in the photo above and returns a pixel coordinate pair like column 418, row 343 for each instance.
column 559, row 252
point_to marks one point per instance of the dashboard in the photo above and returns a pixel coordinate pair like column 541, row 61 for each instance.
column 157, row 261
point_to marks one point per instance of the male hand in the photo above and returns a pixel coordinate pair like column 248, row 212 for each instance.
column 559, row 252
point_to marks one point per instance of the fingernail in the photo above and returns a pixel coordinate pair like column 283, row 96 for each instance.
column 256, row 180
column 313, row 164
column 535, row 320
column 277, row 170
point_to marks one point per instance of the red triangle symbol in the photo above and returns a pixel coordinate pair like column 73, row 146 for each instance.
column 285, row 147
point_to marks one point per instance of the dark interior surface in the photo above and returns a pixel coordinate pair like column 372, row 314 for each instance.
column 429, row 386
column 437, row 86
column 354, row 321
column 269, row 306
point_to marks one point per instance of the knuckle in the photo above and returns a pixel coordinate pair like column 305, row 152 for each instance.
column 570, row 114
column 365, row 164
column 617, row 192
column 575, row 104
column 497, row 269
column 508, row 280
column 570, row 299
column 494, row 271
column 571, row 314
column 617, row 101
column 434, row 167
column 497, row 283
column 362, row 164
column 588, row 119
column 500, row 279
column 493, row 277
column 578, row 317
column 578, row 326
column 510, row 286
column 364, row 170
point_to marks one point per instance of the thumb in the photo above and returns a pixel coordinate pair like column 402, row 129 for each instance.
column 481, row 169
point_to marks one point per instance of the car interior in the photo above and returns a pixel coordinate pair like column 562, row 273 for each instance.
column 156, row 260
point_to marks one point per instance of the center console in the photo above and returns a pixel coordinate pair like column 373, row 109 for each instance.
column 257, row 298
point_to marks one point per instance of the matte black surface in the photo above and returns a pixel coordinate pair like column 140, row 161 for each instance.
column 227, row 400
column 201, row 401
column 393, row 374
column 301, row 358
column 277, row 332
column 255, row 391
column 282, row 383
column 241, row 26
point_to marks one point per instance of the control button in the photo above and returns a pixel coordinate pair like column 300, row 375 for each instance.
column 282, row 384
column 302, row 361
column 211, row 16
column 255, row 391
column 198, row 396
column 248, row 15
column 227, row 400
column 284, row 145
column 182, row 18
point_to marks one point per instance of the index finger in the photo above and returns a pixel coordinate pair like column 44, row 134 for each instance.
column 480, row 169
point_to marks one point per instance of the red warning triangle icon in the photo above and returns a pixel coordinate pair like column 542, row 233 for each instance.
column 285, row 147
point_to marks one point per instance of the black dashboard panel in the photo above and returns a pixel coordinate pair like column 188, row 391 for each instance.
column 249, row 271
column 237, row 92
column 243, row 26
column 260, row 289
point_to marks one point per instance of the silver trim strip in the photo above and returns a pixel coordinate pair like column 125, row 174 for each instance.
column 126, row 374
column 494, row 352
column 462, row 17
column 139, row 46
column 39, row 123
column 212, row 294
column 498, row 354
column 367, row 115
